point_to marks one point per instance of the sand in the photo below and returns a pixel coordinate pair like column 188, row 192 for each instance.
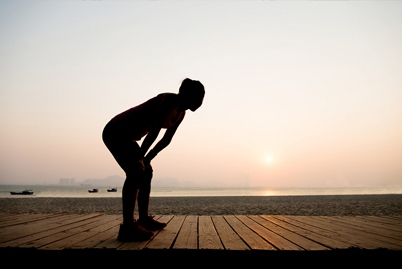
column 328, row 205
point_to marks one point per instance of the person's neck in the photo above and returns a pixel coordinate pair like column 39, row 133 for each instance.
column 182, row 106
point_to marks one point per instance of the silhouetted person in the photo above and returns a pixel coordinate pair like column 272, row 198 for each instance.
column 120, row 135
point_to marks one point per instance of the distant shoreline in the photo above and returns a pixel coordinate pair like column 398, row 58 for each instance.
column 313, row 205
column 49, row 191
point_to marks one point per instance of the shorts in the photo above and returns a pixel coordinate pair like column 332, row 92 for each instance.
column 126, row 152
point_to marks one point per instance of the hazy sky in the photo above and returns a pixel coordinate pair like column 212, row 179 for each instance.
column 315, row 86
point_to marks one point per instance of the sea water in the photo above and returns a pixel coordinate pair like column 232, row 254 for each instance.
column 82, row 191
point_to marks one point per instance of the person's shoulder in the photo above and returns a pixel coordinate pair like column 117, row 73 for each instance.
column 167, row 95
column 168, row 99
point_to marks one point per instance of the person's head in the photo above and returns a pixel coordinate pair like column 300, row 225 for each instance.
column 192, row 92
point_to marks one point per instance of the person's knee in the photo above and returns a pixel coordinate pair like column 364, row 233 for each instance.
column 134, row 170
column 139, row 177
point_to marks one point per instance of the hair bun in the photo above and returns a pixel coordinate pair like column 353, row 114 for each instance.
column 191, row 87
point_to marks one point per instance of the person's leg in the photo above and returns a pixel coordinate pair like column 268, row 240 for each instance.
column 146, row 221
column 130, row 162
column 130, row 230
column 129, row 198
column 127, row 155
column 144, row 193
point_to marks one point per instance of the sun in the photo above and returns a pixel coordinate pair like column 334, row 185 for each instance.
column 269, row 159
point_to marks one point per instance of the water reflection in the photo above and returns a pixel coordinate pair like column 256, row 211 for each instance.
column 270, row 192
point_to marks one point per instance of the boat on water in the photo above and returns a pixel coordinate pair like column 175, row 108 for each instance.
column 93, row 190
column 25, row 192
column 112, row 189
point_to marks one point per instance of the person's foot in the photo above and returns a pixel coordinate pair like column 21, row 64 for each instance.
column 150, row 224
column 133, row 232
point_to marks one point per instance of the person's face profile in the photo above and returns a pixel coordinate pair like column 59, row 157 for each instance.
column 196, row 103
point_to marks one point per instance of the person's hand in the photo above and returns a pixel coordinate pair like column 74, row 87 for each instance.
column 146, row 162
column 141, row 165
column 148, row 172
column 148, row 166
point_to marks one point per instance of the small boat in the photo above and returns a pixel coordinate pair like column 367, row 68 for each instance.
column 26, row 192
column 112, row 189
column 93, row 190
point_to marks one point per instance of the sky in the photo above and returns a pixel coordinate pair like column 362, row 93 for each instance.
column 298, row 94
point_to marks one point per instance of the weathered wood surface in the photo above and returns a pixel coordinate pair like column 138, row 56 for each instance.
column 240, row 233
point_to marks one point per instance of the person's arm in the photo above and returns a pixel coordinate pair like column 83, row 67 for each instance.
column 164, row 142
column 150, row 139
column 157, row 121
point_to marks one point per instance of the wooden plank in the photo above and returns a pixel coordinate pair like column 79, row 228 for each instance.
column 253, row 240
column 297, row 239
column 208, row 238
column 217, row 232
column 334, row 232
column 331, row 235
column 110, row 243
column 16, row 219
column 347, row 222
column 277, row 241
column 394, row 217
column 106, row 235
column 165, row 238
column 26, row 218
column 6, row 216
column 79, row 234
column 60, row 240
column 230, row 240
column 29, row 233
column 360, row 238
column 137, row 245
column 52, row 218
column 188, row 235
column 382, row 222
column 371, row 227
column 309, row 233
column 46, row 237
column 105, row 232
column 20, row 230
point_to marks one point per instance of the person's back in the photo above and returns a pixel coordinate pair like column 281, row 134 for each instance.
column 137, row 121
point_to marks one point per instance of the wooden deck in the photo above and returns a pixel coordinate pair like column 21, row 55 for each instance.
column 241, row 235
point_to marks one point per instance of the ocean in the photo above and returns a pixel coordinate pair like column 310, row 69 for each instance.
column 82, row 191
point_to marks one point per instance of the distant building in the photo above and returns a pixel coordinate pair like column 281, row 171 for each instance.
column 67, row 181
column 111, row 181
column 64, row 181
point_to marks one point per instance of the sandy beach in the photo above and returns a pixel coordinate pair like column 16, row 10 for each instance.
column 323, row 205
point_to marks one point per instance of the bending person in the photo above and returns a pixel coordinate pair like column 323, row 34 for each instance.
column 120, row 135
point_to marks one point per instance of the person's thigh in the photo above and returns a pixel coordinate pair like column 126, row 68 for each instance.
column 127, row 155
column 125, row 151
